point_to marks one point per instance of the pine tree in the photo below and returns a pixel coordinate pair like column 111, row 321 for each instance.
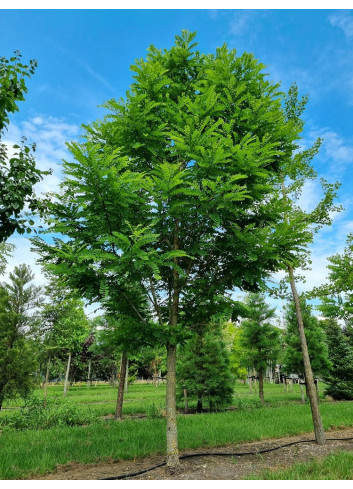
column 260, row 339
column 340, row 379
column 316, row 341
column 203, row 370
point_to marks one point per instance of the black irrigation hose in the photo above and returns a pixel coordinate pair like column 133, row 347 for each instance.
column 221, row 454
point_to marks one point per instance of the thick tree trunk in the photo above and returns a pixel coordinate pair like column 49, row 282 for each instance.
column 89, row 373
column 309, row 378
column 67, row 374
column 199, row 405
column 261, row 387
column 172, row 430
column 119, row 403
column 46, row 380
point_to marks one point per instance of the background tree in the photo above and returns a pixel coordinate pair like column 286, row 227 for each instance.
column 18, row 362
column 316, row 342
column 339, row 380
column 260, row 339
column 18, row 173
column 204, row 369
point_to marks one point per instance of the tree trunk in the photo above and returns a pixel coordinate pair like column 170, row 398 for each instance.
column 46, row 381
column 261, row 387
column 199, row 405
column 126, row 376
column 186, row 407
column 119, row 404
column 302, row 393
column 172, row 429
column 154, row 368
column 250, row 384
column 309, row 378
column 67, row 374
column 1, row 396
column 89, row 373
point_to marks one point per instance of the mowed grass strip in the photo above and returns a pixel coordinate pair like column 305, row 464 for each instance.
column 22, row 453
column 338, row 466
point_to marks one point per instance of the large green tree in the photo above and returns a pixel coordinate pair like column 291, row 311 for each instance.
column 18, row 172
column 173, row 191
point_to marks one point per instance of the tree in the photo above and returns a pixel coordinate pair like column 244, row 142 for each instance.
column 315, row 338
column 17, row 356
column 294, row 174
column 204, row 369
column 340, row 378
column 337, row 295
column 260, row 338
column 18, row 173
column 173, row 191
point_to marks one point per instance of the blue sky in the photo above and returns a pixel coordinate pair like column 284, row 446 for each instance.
column 84, row 57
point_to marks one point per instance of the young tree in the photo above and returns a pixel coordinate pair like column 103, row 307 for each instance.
column 260, row 339
column 315, row 338
column 204, row 369
column 18, row 173
column 17, row 356
column 302, row 226
column 173, row 191
column 340, row 378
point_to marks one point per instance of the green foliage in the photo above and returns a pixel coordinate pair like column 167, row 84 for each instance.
column 18, row 361
column 315, row 338
column 259, row 339
column 18, row 173
column 340, row 378
column 204, row 371
column 41, row 414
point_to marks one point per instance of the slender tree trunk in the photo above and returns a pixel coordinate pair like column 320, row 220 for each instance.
column 261, row 387
column 199, row 405
column 172, row 430
column 309, row 378
column 250, row 384
column 67, row 374
column 186, row 406
column 126, row 376
column 46, row 381
column 119, row 404
column 1, row 395
column 302, row 393
column 89, row 373
column 154, row 368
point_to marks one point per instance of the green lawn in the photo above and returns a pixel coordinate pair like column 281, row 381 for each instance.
column 30, row 451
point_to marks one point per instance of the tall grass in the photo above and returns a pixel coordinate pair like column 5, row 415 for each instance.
column 29, row 451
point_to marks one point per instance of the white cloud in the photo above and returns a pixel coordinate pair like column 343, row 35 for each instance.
column 343, row 20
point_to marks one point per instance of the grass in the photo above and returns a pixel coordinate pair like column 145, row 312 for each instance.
column 338, row 466
column 22, row 453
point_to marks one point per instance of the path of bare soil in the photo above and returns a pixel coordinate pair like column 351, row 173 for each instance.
column 211, row 467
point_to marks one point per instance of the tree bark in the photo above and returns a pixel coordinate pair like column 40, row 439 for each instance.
column 302, row 393
column 309, row 378
column 261, row 387
column 119, row 403
column 172, row 430
column 46, row 381
column 67, row 374
column 89, row 373
column 199, row 405
column 186, row 406
column 126, row 376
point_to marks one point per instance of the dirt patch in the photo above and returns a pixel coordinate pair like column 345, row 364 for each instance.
column 212, row 467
